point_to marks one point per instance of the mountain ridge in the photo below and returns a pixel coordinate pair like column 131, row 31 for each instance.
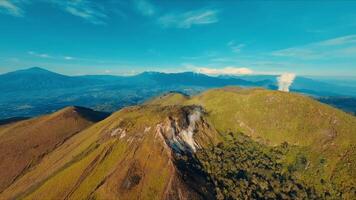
column 201, row 147
column 300, row 84
column 37, row 91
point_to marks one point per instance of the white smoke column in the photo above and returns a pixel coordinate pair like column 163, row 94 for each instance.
column 285, row 81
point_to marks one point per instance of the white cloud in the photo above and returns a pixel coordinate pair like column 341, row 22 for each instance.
column 222, row 59
column 205, row 55
column 235, row 47
column 349, row 39
column 225, row 71
column 341, row 47
column 40, row 55
column 68, row 58
column 303, row 53
column 11, row 8
column 45, row 55
column 84, row 9
column 145, row 7
column 188, row 19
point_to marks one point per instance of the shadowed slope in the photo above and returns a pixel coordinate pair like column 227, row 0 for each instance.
column 24, row 143
column 11, row 120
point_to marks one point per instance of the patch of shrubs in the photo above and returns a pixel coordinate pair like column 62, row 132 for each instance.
column 243, row 169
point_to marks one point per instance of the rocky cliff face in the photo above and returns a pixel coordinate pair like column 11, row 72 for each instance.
column 183, row 135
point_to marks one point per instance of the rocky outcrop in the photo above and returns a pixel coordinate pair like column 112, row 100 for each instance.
column 183, row 135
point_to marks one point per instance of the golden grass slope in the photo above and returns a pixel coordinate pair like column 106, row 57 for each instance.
column 168, row 99
column 24, row 143
column 121, row 157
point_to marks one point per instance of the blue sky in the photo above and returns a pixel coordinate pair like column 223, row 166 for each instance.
column 215, row 37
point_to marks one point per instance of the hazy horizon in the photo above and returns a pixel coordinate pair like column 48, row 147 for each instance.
column 342, row 79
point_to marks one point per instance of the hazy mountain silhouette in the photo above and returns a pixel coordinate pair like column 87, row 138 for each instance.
column 37, row 91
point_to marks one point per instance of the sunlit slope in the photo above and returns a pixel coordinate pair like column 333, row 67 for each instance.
column 271, row 117
column 324, row 138
column 169, row 99
column 126, row 156
column 274, row 117
column 228, row 143
column 23, row 144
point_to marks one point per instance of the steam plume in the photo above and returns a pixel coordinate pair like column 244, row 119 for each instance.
column 285, row 81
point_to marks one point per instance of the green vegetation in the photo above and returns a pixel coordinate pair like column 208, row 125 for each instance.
column 322, row 134
column 251, row 143
column 241, row 169
column 169, row 99
column 273, row 117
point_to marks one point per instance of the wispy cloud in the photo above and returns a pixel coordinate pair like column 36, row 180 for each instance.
column 235, row 47
column 39, row 55
column 340, row 47
column 297, row 52
column 188, row 19
column 225, row 71
column 84, row 9
column 48, row 56
column 11, row 7
column 204, row 55
column 68, row 58
column 349, row 39
column 145, row 7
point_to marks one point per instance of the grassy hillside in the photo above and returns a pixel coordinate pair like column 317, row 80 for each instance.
column 125, row 155
column 23, row 144
column 322, row 136
column 228, row 143
column 168, row 99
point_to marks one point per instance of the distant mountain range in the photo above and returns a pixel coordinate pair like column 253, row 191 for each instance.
column 36, row 91
column 40, row 79
column 319, row 88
